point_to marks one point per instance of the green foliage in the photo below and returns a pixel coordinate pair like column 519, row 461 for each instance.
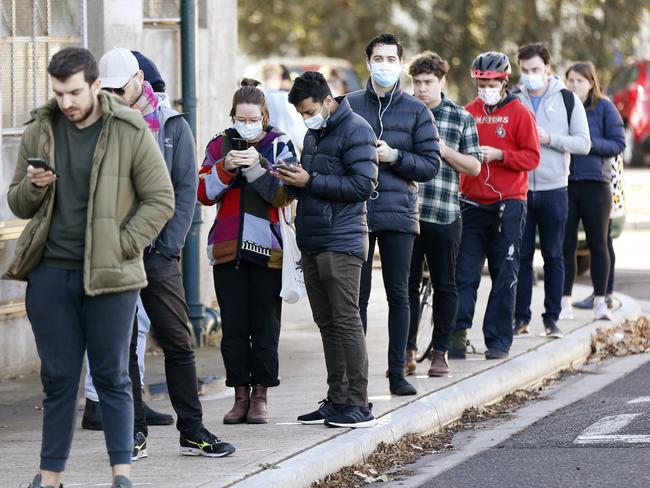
column 457, row 29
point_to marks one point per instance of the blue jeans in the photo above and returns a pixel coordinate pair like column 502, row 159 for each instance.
column 547, row 211
column 483, row 237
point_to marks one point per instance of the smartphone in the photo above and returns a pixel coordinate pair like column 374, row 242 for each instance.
column 239, row 144
column 41, row 163
column 285, row 162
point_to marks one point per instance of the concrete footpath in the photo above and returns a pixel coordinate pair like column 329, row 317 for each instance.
column 284, row 453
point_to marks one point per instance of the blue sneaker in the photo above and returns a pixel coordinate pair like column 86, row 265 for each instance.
column 354, row 417
column 326, row 409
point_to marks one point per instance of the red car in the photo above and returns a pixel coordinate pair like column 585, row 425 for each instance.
column 630, row 92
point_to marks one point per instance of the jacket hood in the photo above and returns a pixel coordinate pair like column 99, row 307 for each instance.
column 337, row 117
column 111, row 106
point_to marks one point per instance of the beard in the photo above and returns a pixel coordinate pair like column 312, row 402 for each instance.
column 80, row 114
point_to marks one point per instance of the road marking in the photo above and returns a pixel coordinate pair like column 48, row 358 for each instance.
column 605, row 431
column 644, row 399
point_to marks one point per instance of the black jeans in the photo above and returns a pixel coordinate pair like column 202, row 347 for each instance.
column 332, row 280
column 612, row 259
column 395, row 250
column 164, row 302
column 439, row 244
column 66, row 323
column 591, row 202
column 251, row 307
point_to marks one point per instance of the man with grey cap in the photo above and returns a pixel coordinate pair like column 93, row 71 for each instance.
column 164, row 296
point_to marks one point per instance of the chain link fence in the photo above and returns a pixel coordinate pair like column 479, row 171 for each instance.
column 160, row 9
column 30, row 33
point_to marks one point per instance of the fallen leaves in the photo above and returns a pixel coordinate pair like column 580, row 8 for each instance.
column 630, row 336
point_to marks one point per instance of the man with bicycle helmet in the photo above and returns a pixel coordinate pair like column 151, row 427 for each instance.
column 495, row 210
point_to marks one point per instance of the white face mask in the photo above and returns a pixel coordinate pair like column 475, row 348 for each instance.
column 249, row 131
column 533, row 82
column 490, row 96
column 385, row 74
column 317, row 121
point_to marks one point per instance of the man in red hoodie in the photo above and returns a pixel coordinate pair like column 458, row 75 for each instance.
column 495, row 205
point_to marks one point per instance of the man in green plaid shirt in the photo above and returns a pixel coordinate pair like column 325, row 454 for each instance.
column 440, row 222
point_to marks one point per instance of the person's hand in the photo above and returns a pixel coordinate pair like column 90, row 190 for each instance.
column 491, row 153
column 229, row 162
column 385, row 153
column 295, row 175
column 544, row 137
column 443, row 149
column 39, row 177
column 246, row 158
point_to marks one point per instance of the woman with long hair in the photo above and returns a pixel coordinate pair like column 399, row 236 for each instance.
column 590, row 196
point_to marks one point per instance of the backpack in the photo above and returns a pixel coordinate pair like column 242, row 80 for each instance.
column 569, row 103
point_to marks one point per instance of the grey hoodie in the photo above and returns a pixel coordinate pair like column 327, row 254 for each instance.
column 553, row 170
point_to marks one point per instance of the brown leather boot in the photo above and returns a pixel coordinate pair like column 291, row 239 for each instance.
column 237, row 414
column 410, row 364
column 257, row 412
column 439, row 365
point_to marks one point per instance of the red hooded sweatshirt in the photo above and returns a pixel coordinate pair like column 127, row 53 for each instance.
column 510, row 127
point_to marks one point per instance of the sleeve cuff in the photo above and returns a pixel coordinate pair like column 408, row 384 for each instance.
column 223, row 174
column 253, row 172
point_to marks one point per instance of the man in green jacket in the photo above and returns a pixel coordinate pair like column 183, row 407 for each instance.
column 105, row 196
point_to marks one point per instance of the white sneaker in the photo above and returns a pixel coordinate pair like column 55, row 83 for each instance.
column 601, row 312
column 566, row 313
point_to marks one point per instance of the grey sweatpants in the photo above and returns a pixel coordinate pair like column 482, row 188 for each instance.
column 66, row 323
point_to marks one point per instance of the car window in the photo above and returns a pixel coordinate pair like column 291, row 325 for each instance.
column 632, row 75
column 619, row 80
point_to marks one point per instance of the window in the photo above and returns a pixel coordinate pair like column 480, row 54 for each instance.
column 31, row 31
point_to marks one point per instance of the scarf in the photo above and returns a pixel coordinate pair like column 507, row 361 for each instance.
column 147, row 105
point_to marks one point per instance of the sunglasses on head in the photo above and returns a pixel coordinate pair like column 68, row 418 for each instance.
column 119, row 91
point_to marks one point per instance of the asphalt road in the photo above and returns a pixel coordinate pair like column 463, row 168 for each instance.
column 600, row 441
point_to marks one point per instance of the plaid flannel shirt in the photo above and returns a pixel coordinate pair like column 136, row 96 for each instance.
column 439, row 196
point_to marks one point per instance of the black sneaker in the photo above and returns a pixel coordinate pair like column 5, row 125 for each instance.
column 520, row 328
column 494, row 353
column 399, row 386
column 587, row 303
column 354, row 417
column 156, row 418
column 121, row 482
column 37, row 483
column 552, row 329
column 92, row 419
column 205, row 444
column 326, row 409
column 139, row 447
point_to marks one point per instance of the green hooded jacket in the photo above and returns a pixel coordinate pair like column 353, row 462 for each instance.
column 130, row 200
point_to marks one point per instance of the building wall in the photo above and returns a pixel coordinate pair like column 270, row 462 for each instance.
column 119, row 23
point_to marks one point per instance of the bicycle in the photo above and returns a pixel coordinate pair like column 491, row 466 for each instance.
column 424, row 339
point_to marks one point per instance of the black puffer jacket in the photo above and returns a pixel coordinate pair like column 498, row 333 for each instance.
column 342, row 162
column 408, row 126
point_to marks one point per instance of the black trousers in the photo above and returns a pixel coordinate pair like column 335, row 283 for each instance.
column 439, row 245
column 332, row 280
column 66, row 323
column 395, row 249
column 164, row 302
column 591, row 202
column 251, row 307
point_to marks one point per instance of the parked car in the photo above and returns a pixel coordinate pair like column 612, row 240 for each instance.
column 629, row 89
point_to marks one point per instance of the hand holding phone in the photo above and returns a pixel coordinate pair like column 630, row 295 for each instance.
column 39, row 173
column 285, row 163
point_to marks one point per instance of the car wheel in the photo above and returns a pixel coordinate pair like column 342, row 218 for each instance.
column 633, row 153
column 583, row 264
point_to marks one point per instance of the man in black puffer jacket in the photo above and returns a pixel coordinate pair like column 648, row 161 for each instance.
column 338, row 175
column 408, row 152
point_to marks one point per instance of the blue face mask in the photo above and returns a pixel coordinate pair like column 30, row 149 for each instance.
column 533, row 82
column 385, row 74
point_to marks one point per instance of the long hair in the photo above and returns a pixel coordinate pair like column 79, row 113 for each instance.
column 587, row 70
column 249, row 93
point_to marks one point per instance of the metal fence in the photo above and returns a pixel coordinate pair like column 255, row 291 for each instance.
column 30, row 33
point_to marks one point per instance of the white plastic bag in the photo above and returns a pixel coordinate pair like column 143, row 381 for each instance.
column 293, row 280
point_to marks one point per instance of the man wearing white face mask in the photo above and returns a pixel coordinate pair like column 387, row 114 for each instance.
column 495, row 206
column 563, row 130
column 408, row 152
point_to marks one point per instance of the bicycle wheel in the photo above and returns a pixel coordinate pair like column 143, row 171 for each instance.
column 424, row 340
